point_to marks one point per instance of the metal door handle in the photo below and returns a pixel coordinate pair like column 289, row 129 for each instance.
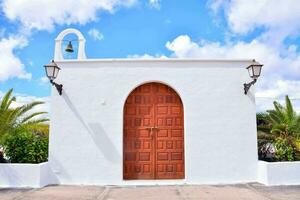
column 149, row 128
column 151, row 131
column 155, row 127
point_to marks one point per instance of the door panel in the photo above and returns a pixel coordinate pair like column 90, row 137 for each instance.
column 138, row 142
column 153, row 133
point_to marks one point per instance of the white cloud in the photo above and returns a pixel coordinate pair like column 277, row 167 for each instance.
column 155, row 4
column 95, row 34
column 280, row 88
column 276, row 90
column 215, row 5
column 146, row 56
column 280, row 18
column 278, row 71
column 274, row 62
column 264, row 104
column 25, row 99
column 10, row 65
column 44, row 80
column 45, row 14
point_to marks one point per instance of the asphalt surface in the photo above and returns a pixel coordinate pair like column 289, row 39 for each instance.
column 182, row 192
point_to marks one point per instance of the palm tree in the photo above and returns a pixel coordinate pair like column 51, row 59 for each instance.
column 283, row 121
column 12, row 119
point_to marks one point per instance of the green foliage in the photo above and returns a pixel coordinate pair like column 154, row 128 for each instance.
column 283, row 121
column 265, row 136
column 25, row 147
column 12, row 119
column 284, row 150
column 41, row 129
column 281, row 127
column 297, row 143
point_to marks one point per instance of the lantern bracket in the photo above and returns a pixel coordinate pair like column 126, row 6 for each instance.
column 247, row 86
column 59, row 87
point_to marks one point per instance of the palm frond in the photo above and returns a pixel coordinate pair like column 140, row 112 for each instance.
column 290, row 113
column 279, row 110
column 274, row 117
column 5, row 102
column 264, row 129
column 33, row 123
column 29, row 117
column 12, row 119
column 27, row 107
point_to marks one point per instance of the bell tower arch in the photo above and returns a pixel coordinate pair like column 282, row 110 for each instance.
column 58, row 42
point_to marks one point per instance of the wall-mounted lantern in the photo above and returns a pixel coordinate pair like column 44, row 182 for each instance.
column 254, row 72
column 52, row 71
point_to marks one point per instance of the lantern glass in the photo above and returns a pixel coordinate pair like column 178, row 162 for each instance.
column 254, row 70
column 56, row 70
column 52, row 70
column 49, row 72
column 250, row 71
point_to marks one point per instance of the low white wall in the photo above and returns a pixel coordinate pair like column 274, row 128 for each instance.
column 40, row 175
column 26, row 175
column 279, row 173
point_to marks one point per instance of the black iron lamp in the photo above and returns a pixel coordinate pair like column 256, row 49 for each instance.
column 254, row 71
column 52, row 71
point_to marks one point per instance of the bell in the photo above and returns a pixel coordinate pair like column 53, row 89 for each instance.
column 69, row 48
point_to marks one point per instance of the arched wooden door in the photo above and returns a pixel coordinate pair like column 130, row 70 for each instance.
column 153, row 134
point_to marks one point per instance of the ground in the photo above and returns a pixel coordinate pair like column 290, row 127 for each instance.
column 224, row 192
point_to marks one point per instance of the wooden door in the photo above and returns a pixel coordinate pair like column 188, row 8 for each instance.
column 153, row 134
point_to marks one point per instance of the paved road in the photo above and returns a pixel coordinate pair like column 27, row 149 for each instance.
column 225, row 192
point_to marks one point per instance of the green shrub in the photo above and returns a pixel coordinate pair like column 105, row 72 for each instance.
column 284, row 150
column 25, row 147
column 297, row 144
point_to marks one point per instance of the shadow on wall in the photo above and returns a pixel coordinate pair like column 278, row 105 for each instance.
column 98, row 134
column 251, row 96
column 104, row 143
column 57, row 168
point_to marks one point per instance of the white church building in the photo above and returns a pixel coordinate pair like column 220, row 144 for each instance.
column 121, row 121
column 151, row 121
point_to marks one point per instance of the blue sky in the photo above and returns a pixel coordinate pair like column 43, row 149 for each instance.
column 153, row 28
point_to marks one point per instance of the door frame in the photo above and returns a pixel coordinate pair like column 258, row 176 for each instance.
column 131, row 89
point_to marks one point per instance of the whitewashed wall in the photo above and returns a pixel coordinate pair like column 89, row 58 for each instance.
column 279, row 173
column 40, row 175
column 86, row 135
column 26, row 175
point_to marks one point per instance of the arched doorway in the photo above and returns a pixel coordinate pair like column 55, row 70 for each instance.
column 153, row 140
